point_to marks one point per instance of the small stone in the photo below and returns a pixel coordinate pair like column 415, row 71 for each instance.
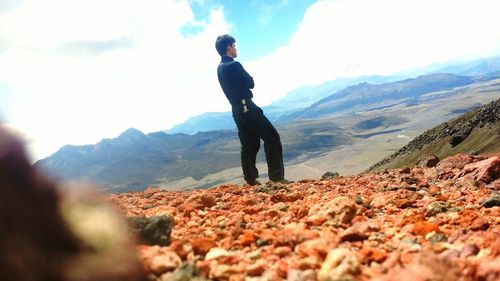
column 424, row 227
column 359, row 231
column 437, row 237
column 203, row 201
column 340, row 264
column 329, row 175
column 187, row 271
column 201, row 246
column 215, row 253
column 341, row 210
column 456, row 139
column 373, row 254
column 315, row 247
column 428, row 162
column 153, row 230
column 167, row 261
column 261, row 242
column 493, row 201
column 436, row 208
column 256, row 269
column 405, row 170
column 469, row 250
column 282, row 251
column 409, row 180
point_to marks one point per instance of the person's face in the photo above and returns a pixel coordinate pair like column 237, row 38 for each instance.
column 231, row 51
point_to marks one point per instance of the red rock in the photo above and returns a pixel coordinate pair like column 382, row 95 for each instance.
column 341, row 210
column 455, row 162
column 301, row 275
column 424, row 227
column 434, row 190
column 339, row 264
column 203, row 267
column 202, row 201
column 472, row 219
column 373, row 254
column 469, row 250
column 404, row 203
column 224, row 272
column 379, row 200
column 278, row 197
column 299, row 211
column 316, row 220
column 392, row 261
column 489, row 270
column 271, row 213
column 251, row 210
column 282, row 251
column 202, row 245
column 315, row 247
column 486, row 170
column 359, row 231
column 167, row 261
column 423, row 183
column 247, row 238
column 256, row 269
column 216, row 253
column 149, row 192
column 311, row 262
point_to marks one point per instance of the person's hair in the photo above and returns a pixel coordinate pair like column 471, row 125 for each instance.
column 222, row 42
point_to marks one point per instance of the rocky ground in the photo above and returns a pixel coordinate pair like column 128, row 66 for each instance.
column 432, row 222
column 455, row 131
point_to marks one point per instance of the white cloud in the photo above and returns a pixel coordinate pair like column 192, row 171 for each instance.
column 79, row 71
column 362, row 37
column 82, row 70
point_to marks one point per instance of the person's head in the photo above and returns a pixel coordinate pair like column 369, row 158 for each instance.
column 225, row 45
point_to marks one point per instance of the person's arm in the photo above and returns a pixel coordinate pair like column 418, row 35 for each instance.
column 244, row 77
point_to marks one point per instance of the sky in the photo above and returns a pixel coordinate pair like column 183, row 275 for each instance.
column 78, row 71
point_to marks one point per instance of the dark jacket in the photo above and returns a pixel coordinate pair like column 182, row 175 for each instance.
column 234, row 80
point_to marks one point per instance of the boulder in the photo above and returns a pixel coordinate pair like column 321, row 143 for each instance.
column 153, row 230
column 47, row 234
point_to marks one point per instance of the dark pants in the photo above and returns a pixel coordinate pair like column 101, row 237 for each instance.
column 253, row 126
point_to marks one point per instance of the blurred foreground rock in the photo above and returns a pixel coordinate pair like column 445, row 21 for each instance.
column 48, row 236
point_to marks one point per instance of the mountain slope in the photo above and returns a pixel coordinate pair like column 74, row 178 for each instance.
column 474, row 132
column 473, row 68
column 295, row 100
column 135, row 160
column 367, row 96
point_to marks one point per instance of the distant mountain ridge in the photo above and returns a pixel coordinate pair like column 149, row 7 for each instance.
column 364, row 95
column 135, row 159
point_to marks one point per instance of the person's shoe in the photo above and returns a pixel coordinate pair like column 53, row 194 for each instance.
column 253, row 182
column 283, row 181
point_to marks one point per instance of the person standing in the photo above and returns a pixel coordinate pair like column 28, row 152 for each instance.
column 250, row 120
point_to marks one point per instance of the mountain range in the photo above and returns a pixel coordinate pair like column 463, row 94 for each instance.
column 304, row 97
column 346, row 131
